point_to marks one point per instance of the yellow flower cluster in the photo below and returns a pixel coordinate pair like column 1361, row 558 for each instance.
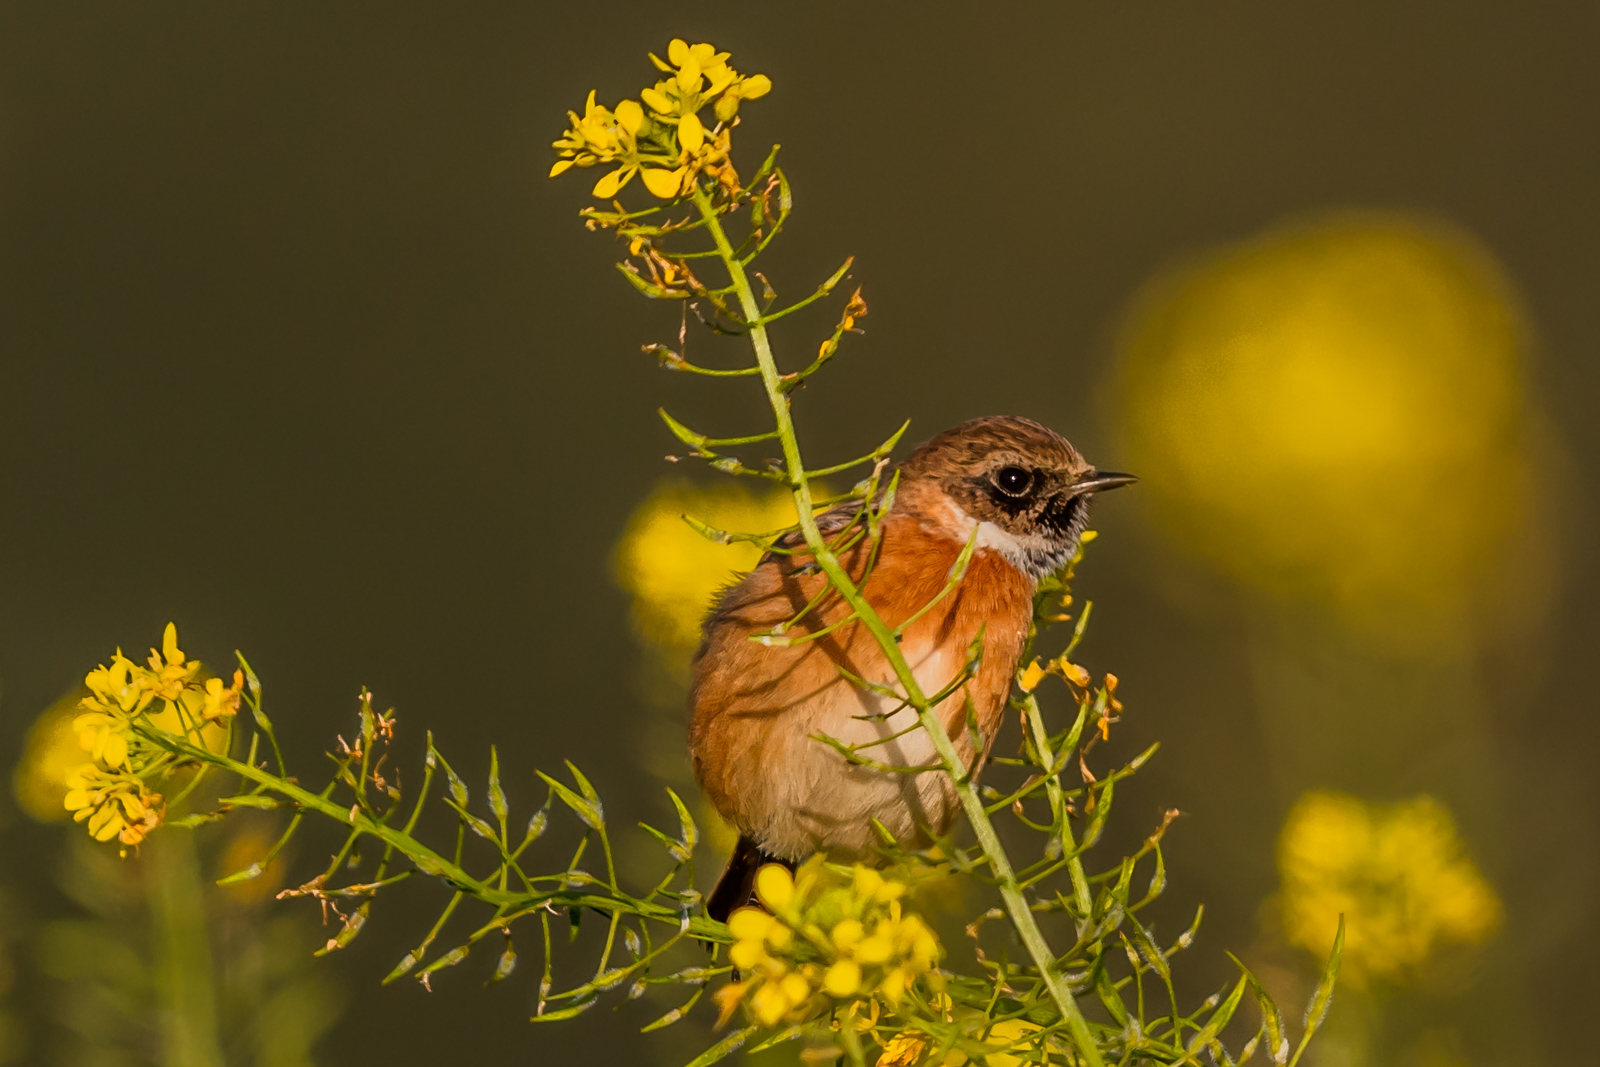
column 662, row 139
column 113, row 803
column 1396, row 873
column 109, row 792
column 826, row 939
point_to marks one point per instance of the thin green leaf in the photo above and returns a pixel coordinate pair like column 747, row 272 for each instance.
column 352, row 927
column 250, row 873
column 478, row 826
column 504, row 965
column 497, row 796
column 581, row 807
column 1214, row 1025
column 251, row 800
column 589, row 793
column 402, row 968
column 1271, row 1017
column 1318, row 1008
column 564, row 1013
column 449, row 959
column 724, row 1048
column 537, row 823
column 672, row 844
column 691, row 833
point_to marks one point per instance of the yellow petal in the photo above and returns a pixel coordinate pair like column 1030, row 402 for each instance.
column 842, row 979
column 703, row 53
column 630, row 116
column 847, row 934
column 775, row 886
column 726, row 107
column 720, row 76
column 658, row 101
column 691, row 134
column 755, row 86
column 662, row 183
column 727, row 999
column 105, row 822
column 677, row 51
column 689, row 77
column 1032, row 675
column 610, row 183
column 746, row 954
column 169, row 644
column 794, row 987
column 893, row 986
column 561, row 167
column 749, row 924
column 769, row 1004
column 874, row 949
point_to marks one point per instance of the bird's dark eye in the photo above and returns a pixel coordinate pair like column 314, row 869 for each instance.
column 1014, row 481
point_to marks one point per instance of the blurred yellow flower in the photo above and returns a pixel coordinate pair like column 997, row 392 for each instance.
column 1015, row 1032
column 1335, row 412
column 1397, row 873
column 51, row 752
column 247, row 848
column 672, row 572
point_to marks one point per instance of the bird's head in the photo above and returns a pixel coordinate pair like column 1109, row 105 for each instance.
column 1023, row 485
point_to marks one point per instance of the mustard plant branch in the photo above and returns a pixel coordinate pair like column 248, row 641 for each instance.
column 426, row 859
column 1016, row 904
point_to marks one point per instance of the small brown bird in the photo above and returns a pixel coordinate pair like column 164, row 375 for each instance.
column 756, row 708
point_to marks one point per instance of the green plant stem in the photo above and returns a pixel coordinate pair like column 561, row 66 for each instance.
column 183, row 974
column 1022, row 917
column 429, row 861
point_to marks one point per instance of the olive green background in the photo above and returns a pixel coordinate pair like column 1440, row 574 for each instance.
column 299, row 347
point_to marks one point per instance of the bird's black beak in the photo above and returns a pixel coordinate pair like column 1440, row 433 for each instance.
column 1099, row 482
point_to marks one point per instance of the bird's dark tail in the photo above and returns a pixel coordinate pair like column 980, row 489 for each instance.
column 737, row 886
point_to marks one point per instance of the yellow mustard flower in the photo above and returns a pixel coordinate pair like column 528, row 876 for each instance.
column 170, row 670
column 120, row 685
column 113, row 804
column 222, row 701
column 105, row 735
column 1397, row 873
column 670, row 142
column 824, row 938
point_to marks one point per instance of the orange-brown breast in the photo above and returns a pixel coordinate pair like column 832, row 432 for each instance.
column 755, row 707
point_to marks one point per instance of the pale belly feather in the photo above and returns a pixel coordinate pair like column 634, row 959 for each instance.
column 815, row 799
